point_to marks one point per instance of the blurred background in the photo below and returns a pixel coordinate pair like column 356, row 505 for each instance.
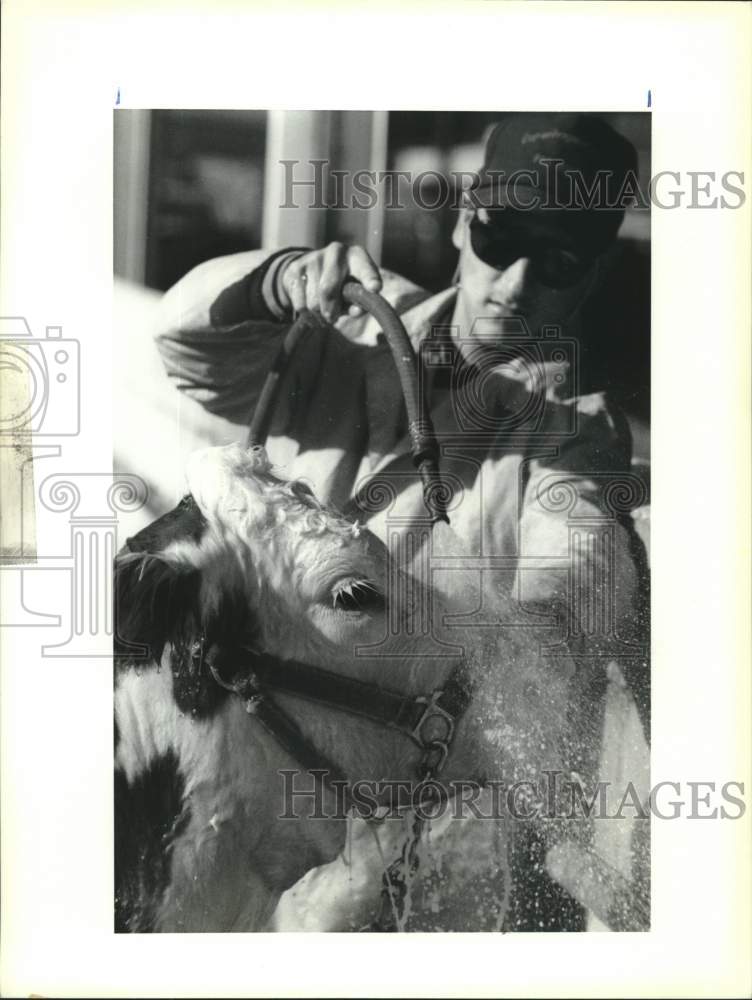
column 192, row 185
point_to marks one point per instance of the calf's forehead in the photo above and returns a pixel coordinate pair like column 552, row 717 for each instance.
column 230, row 480
column 210, row 476
column 237, row 489
column 234, row 489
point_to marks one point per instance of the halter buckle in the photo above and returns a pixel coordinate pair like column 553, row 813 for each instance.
column 252, row 703
column 433, row 711
column 433, row 759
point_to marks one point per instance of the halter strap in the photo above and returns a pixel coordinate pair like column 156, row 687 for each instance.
column 428, row 720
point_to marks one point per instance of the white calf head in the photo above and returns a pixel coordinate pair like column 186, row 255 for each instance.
column 253, row 560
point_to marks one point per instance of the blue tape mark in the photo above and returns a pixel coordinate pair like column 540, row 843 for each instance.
column 650, row 98
column 117, row 99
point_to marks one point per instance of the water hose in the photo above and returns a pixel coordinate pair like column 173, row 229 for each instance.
column 425, row 452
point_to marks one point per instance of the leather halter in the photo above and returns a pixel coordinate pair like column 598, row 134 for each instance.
column 428, row 720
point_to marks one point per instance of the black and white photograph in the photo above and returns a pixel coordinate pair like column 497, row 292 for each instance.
column 374, row 499
column 382, row 625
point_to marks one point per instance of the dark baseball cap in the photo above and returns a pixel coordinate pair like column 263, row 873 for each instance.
column 572, row 170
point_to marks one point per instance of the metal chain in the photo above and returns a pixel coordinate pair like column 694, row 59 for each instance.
column 404, row 868
column 395, row 881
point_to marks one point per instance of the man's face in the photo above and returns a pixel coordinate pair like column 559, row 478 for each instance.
column 535, row 275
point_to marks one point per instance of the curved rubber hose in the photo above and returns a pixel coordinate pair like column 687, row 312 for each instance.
column 423, row 440
column 264, row 410
column 424, row 448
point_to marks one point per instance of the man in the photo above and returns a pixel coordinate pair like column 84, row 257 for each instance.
column 526, row 267
column 526, row 456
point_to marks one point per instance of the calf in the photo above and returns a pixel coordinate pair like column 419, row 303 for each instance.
column 249, row 569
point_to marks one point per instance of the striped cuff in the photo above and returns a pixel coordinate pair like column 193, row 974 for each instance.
column 256, row 296
column 270, row 284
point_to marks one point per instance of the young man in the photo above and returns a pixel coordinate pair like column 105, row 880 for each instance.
column 534, row 466
column 502, row 383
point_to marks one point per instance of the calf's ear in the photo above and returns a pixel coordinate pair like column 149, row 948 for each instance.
column 156, row 601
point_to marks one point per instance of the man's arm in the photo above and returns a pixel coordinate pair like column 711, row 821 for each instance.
column 221, row 325
column 218, row 331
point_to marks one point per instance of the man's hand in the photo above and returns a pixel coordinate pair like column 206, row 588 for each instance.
column 314, row 280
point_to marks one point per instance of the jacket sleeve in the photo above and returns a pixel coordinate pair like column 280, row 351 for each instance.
column 220, row 327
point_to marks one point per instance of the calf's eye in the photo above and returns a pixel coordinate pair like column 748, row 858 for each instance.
column 356, row 595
